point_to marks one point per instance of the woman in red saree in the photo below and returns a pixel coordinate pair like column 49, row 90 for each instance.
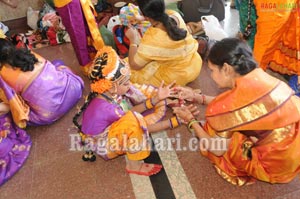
column 258, row 119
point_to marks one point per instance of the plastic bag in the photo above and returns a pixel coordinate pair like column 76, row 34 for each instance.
column 113, row 21
column 32, row 18
column 4, row 28
column 213, row 28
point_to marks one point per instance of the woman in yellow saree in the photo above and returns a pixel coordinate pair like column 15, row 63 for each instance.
column 166, row 51
column 257, row 120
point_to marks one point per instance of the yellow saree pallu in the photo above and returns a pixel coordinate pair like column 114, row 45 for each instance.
column 271, row 114
column 277, row 40
column 165, row 59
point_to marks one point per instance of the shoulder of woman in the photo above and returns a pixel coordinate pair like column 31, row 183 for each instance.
column 170, row 12
column 176, row 16
column 39, row 57
column 173, row 13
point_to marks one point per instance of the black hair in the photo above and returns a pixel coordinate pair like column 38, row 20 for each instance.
column 155, row 9
column 20, row 58
column 234, row 52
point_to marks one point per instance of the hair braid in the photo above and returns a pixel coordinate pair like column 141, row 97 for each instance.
column 94, row 75
column 96, row 72
column 174, row 32
column 91, row 96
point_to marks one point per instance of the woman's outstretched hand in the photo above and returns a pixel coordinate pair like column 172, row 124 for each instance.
column 185, row 93
column 186, row 113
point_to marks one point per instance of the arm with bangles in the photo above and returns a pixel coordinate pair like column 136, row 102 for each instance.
column 186, row 115
column 148, row 104
column 155, row 102
column 170, row 123
column 163, row 93
column 134, row 37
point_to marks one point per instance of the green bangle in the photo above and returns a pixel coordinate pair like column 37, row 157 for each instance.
column 191, row 123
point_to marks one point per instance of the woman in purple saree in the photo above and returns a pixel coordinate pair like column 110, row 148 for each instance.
column 14, row 145
column 46, row 90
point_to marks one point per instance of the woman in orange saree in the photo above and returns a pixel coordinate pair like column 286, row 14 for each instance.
column 277, row 41
column 257, row 120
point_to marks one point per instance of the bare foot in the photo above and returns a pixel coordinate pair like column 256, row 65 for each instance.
column 140, row 168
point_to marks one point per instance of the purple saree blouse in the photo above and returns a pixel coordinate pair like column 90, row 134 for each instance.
column 99, row 115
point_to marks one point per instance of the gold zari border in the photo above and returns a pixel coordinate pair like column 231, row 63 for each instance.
column 260, row 108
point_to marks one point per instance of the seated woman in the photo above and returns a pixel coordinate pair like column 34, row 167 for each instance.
column 257, row 119
column 48, row 90
column 166, row 51
column 14, row 145
column 110, row 126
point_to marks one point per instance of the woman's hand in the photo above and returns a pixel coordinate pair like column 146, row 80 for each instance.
column 186, row 113
column 185, row 93
column 165, row 92
column 133, row 35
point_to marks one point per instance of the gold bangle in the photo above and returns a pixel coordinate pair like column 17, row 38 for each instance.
column 149, row 104
column 174, row 122
column 191, row 123
column 135, row 45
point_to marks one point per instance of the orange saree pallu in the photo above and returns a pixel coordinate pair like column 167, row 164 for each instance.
column 263, row 127
column 277, row 40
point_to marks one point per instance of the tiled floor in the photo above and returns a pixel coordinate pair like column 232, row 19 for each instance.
column 54, row 171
